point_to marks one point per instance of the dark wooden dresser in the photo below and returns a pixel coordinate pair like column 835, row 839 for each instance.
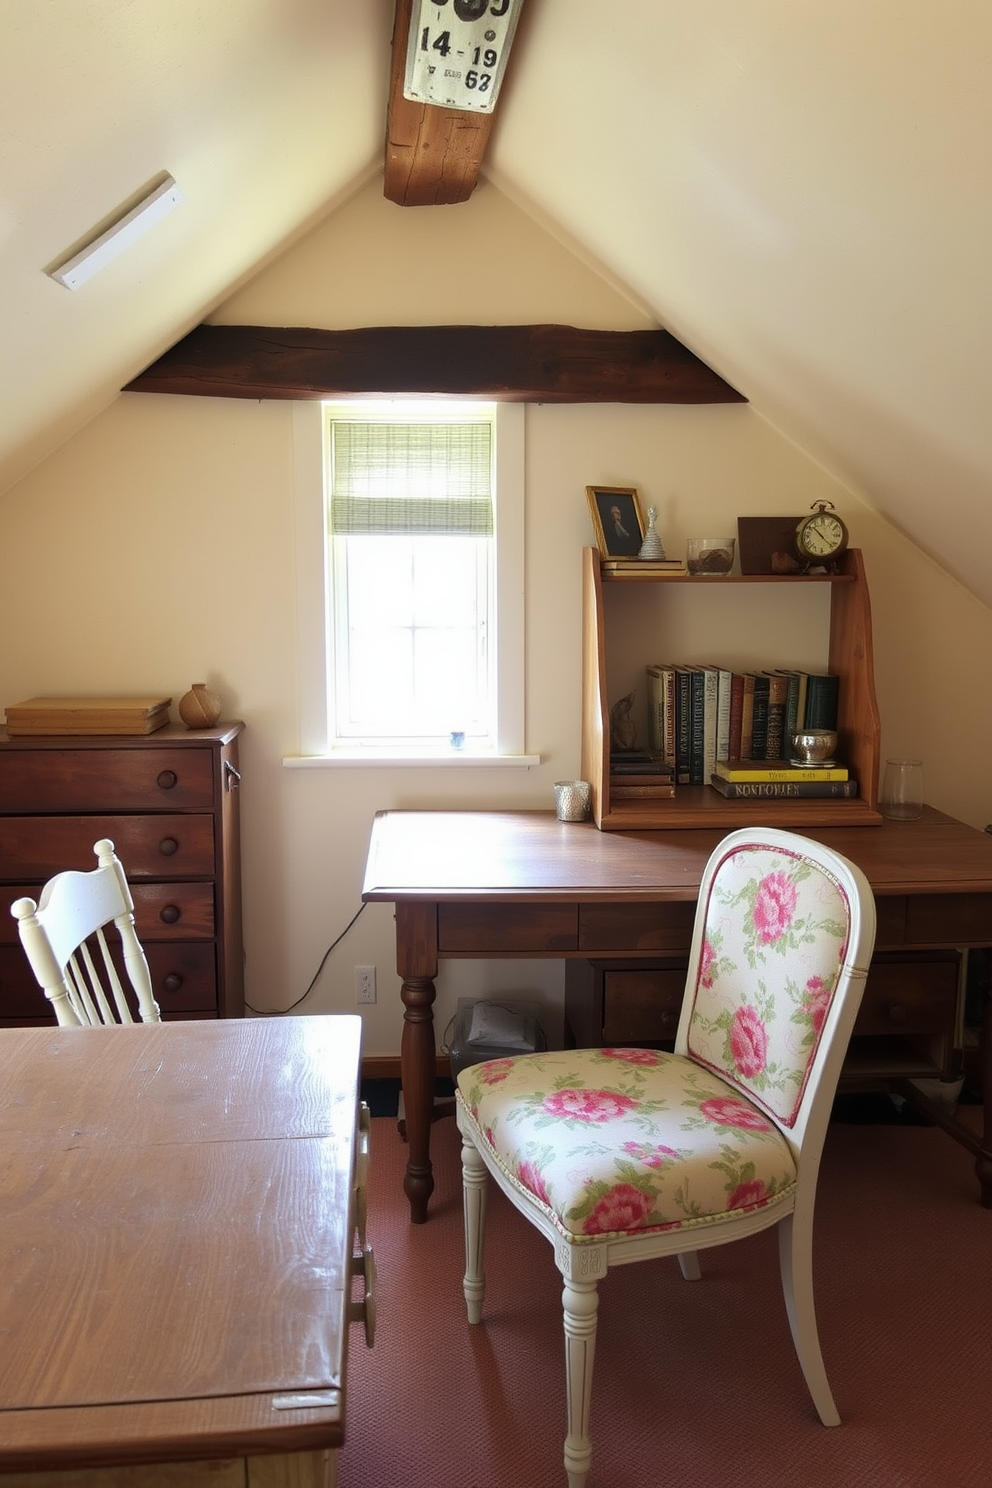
column 169, row 802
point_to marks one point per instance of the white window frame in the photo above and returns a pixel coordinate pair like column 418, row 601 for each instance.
column 316, row 747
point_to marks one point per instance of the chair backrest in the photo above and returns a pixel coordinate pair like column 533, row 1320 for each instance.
column 64, row 937
column 783, row 936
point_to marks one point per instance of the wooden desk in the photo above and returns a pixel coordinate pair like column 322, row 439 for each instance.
column 175, row 1246
column 504, row 884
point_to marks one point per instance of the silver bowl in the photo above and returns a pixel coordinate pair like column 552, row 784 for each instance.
column 814, row 747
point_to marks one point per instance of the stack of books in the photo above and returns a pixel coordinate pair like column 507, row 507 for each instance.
column 780, row 779
column 699, row 713
column 639, row 775
column 642, row 566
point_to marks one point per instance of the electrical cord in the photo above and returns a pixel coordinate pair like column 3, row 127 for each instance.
column 281, row 1012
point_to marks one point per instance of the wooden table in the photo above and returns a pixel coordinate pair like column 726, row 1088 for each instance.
column 520, row 883
column 175, row 1247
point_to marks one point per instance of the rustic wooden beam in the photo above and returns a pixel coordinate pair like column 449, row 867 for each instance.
column 522, row 364
column 433, row 155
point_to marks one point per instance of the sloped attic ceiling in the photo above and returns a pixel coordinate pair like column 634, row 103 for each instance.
column 799, row 192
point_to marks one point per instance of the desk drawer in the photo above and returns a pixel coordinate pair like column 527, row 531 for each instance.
column 68, row 780
column 642, row 1007
column 658, row 929
column 908, row 994
column 507, row 929
column 154, row 846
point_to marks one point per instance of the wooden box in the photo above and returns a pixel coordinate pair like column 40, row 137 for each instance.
column 98, row 715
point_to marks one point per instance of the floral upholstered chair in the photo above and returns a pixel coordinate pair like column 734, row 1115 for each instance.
column 621, row 1155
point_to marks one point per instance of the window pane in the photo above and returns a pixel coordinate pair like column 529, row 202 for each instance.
column 412, row 558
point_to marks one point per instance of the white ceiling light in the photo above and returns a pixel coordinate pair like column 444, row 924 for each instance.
column 120, row 235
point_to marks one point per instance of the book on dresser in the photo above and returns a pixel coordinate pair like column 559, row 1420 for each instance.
column 765, row 790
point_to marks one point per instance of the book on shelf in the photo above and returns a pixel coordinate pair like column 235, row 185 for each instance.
column 736, row 709
column 747, row 716
column 697, row 722
column 711, row 698
column 683, row 721
column 661, row 710
column 626, row 777
column 783, row 790
column 642, row 565
column 659, row 791
column 777, row 770
column 638, row 762
column 821, row 701
column 778, row 692
column 795, row 711
column 722, row 730
column 759, row 718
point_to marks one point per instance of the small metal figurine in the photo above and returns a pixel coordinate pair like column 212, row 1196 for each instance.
column 652, row 547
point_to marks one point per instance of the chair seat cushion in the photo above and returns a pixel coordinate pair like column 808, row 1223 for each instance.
column 610, row 1142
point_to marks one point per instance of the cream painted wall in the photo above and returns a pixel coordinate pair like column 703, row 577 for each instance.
column 157, row 547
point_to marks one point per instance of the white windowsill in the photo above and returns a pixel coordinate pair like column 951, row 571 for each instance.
column 403, row 759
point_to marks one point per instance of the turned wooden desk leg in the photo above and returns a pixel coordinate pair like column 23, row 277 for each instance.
column 416, row 962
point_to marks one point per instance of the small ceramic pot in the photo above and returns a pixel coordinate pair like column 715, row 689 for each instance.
column 199, row 708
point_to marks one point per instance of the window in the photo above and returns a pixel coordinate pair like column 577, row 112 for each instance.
column 421, row 587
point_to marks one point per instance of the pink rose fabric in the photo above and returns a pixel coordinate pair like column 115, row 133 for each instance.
column 609, row 1141
column 587, row 1105
column 620, row 1140
column 749, row 1041
column 775, row 937
column 728, row 1111
column 774, row 907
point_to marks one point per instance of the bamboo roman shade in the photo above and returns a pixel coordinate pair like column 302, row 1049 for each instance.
column 411, row 479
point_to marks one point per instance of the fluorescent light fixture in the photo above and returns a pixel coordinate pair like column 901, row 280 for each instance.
column 120, row 235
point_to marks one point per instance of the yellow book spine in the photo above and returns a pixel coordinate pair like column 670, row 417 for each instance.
column 794, row 773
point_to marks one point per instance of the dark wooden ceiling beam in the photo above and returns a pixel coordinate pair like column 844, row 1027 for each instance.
column 524, row 364
column 433, row 155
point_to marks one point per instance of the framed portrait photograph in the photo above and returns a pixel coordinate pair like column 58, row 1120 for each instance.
column 617, row 520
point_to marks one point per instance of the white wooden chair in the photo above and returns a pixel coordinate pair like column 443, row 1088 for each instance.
column 64, row 936
column 621, row 1155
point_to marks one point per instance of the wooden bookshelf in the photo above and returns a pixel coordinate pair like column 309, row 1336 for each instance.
column 850, row 657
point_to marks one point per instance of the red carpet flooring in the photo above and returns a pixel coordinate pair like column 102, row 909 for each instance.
column 696, row 1386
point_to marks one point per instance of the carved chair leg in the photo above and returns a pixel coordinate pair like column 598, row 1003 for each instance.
column 475, row 1183
column 795, row 1251
column 580, row 1301
column 689, row 1264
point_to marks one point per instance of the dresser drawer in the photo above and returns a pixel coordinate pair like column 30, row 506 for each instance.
column 154, row 846
column 184, row 980
column 162, row 911
column 47, row 780
column 173, row 911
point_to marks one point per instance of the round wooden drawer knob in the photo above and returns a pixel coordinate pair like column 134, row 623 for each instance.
column 172, row 982
column 167, row 780
column 168, row 847
column 169, row 914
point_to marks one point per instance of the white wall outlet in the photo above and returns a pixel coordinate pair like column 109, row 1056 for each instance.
column 365, row 984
